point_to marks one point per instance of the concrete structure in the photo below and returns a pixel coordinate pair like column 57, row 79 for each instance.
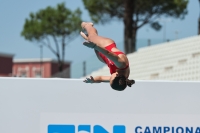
column 6, row 64
column 175, row 60
column 43, row 105
column 35, row 68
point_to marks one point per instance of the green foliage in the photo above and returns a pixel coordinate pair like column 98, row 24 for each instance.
column 103, row 10
column 58, row 21
column 135, row 14
column 145, row 11
column 156, row 26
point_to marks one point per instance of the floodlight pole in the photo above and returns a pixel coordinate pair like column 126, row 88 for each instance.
column 199, row 20
column 84, row 68
column 165, row 29
column 41, row 53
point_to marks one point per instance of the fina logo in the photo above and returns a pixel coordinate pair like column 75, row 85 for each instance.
column 84, row 129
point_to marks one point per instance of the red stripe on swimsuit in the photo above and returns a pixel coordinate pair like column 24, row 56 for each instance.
column 110, row 63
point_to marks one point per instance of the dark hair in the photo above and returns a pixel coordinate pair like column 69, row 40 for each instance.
column 120, row 83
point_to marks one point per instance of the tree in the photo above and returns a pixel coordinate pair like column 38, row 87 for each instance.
column 59, row 25
column 135, row 14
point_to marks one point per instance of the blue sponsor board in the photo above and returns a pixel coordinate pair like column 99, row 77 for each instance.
column 120, row 129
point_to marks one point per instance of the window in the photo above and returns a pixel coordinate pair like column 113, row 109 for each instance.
column 23, row 74
column 38, row 74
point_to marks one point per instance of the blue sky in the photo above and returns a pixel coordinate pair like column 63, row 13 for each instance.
column 13, row 14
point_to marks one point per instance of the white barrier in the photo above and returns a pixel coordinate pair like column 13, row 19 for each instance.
column 69, row 106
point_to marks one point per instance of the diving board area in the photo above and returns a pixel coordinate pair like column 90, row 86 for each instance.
column 29, row 105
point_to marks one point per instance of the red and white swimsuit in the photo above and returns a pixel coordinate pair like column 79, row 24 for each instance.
column 110, row 63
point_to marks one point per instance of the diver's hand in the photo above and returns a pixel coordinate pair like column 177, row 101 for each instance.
column 89, row 80
column 89, row 44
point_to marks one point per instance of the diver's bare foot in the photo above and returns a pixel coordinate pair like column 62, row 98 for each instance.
column 83, row 24
column 84, row 35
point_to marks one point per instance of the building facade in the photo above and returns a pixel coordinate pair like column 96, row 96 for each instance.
column 36, row 68
column 6, row 64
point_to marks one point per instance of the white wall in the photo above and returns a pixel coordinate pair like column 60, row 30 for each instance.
column 24, row 101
